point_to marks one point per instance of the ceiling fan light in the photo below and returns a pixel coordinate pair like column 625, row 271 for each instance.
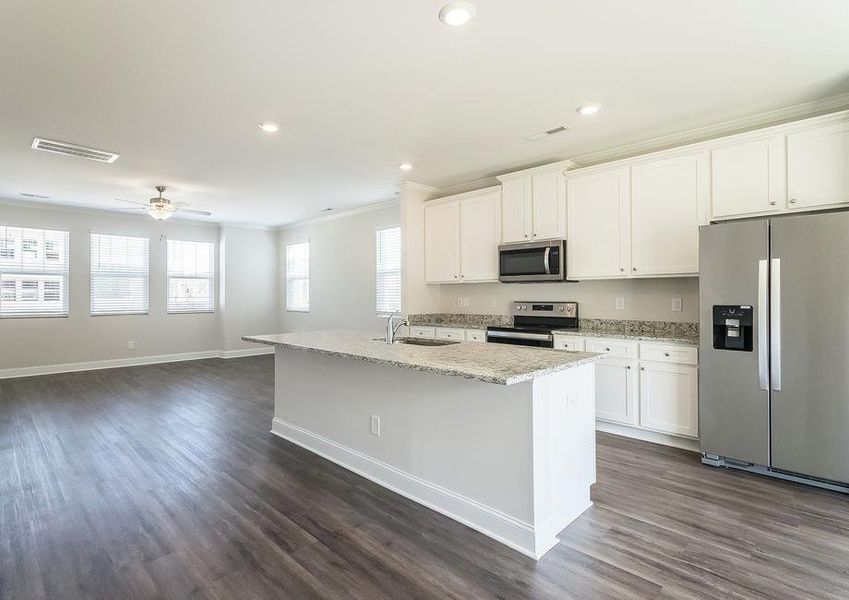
column 159, row 212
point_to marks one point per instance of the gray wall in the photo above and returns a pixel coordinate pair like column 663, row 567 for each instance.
column 342, row 271
column 33, row 342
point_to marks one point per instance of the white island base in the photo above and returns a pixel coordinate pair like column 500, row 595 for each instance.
column 514, row 462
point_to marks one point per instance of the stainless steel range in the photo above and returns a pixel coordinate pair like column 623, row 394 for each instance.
column 534, row 322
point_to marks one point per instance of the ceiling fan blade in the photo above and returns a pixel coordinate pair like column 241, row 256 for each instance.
column 133, row 208
column 195, row 212
column 131, row 202
column 180, row 204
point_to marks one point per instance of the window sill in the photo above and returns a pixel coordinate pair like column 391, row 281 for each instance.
column 298, row 310
column 190, row 312
column 63, row 316
column 119, row 314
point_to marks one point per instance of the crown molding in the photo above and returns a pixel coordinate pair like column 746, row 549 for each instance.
column 561, row 165
column 416, row 187
column 475, row 185
column 779, row 116
column 359, row 210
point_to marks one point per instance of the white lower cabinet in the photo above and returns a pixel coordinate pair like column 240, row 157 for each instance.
column 644, row 385
column 669, row 398
column 423, row 332
column 450, row 333
column 616, row 391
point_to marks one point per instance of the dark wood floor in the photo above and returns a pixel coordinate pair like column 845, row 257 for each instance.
column 163, row 481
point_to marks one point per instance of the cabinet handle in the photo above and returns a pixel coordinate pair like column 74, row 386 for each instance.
column 635, row 268
column 666, row 353
column 622, row 269
column 792, row 200
column 642, row 368
column 628, row 367
column 772, row 203
column 607, row 349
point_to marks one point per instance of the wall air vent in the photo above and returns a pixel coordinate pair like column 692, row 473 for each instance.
column 57, row 147
column 538, row 136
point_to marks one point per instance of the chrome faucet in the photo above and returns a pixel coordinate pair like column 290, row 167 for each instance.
column 391, row 327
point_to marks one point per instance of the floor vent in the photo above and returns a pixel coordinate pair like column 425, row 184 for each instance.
column 539, row 136
column 57, row 147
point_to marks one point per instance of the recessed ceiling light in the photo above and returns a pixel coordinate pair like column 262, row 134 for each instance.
column 588, row 109
column 457, row 13
column 269, row 126
column 405, row 166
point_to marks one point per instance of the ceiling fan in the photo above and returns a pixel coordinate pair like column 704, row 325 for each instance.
column 161, row 208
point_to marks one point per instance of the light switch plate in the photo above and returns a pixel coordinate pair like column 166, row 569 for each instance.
column 620, row 303
column 374, row 425
column 677, row 305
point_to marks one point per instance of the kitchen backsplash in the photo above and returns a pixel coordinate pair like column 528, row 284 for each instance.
column 612, row 326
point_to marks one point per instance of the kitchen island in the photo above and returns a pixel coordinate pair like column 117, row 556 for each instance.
column 498, row 437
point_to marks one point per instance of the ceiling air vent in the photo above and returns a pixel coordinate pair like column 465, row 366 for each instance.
column 74, row 150
column 538, row 136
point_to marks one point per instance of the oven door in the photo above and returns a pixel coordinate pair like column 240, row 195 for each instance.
column 506, row 335
column 534, row 261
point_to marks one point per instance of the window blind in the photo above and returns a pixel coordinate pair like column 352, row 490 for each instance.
column 33, row 272
column 388, row 251
column 119, row 274
column 298, row 277
column 191, row 272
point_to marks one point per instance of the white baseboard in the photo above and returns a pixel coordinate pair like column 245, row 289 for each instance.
column 242, row 352
column 648, row 436
column 129, row 362
column 491, row 522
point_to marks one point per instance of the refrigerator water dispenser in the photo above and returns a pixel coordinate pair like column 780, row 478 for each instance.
column 732, row 327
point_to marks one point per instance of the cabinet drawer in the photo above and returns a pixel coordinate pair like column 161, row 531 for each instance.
column 612, row 347
column 568, row 342
column 669, row 353
column 423, row 332
column 450, row 333
column 475, row 335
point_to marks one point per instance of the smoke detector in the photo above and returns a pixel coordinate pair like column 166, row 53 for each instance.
column 68, row 149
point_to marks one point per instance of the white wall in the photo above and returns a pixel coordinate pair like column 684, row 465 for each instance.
column 39, row 342
column 249, row 277
column 342, row 271
column 645, row 299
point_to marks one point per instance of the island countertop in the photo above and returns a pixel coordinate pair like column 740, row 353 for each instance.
column 493, row 363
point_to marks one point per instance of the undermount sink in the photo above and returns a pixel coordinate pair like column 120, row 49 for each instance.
column 419, row 341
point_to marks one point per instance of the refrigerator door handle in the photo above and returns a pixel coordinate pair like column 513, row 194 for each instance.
column 763, row 312
column 775, row 324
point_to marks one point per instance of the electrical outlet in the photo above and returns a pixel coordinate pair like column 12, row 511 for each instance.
column 677, row 305
column 465, row 302
column 131, row 345
column 620, row 303
column 491, row 302
column 375, row 425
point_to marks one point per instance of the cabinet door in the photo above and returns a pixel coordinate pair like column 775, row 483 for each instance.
column 480, row 229
column 748, row 178
column 548, row 206
column 666, row 199
column 669, row 398
column 616, row 391
column 597, row 225
column 818, row 166
column 442, row 242
column 516, row 210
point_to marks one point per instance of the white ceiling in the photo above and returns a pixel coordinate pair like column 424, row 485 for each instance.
column 359, row 87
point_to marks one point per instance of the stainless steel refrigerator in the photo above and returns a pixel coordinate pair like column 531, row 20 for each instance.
column 774, row 347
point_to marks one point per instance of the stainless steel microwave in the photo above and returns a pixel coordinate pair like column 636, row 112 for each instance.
column 532, row 261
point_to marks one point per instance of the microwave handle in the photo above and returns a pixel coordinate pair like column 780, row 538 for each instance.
column 545, row 260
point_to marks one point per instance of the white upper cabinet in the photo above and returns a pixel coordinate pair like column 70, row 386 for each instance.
column 748, row 178
column 818, row 166
column 442, row 242
column 668, row 197
column 548, row 206
column 533, row 205
column 598, row 225
column 516, row 210
column 480, row 225
column 461, row 237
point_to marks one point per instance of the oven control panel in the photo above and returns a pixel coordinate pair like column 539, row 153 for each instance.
column 546, row 309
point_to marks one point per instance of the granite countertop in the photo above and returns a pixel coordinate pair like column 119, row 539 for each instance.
column 623, row 335
column 493, row 363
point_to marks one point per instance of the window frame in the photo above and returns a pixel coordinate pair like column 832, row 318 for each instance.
column 91, row 312
column 62, row 276
column 211, row 278
column 308, row 277
column 377, row 232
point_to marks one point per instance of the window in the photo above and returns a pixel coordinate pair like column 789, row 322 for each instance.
column 119, row 274
column 388, row 251
column 191, row 268
column 33, row 272
column 298, row 277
